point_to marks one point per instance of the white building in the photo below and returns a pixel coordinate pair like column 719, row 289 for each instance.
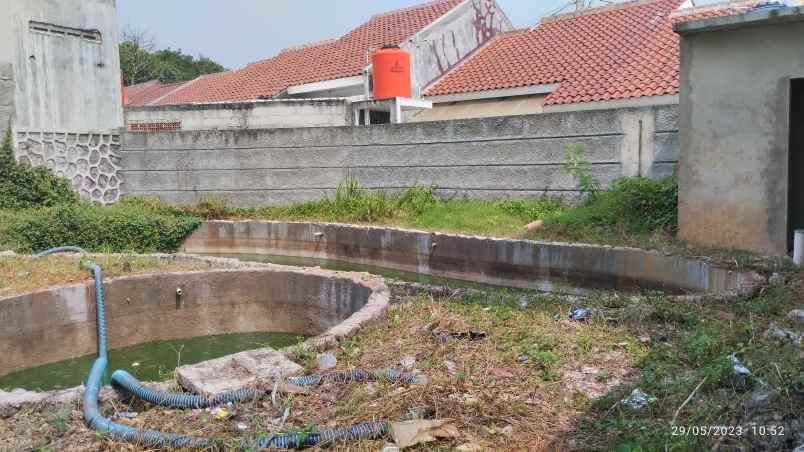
column 60, row 84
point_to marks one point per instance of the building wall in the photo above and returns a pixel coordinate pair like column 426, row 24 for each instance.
column 734, row 135
column 487, row 158
column 66, row 90
column 64, row 83
column 483, row 108
column 6, row 97
column 449, row 40
column 246, row 115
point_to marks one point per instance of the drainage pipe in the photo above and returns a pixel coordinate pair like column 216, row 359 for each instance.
column 152, row 438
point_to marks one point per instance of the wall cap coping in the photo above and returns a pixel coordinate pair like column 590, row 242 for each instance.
column 750, row 19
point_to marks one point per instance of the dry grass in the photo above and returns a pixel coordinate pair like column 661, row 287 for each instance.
column 20, row 274
column 566, row 397
column 496, row 401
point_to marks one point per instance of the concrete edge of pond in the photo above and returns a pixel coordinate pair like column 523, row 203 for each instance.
column 63, row 317
column 557, row 267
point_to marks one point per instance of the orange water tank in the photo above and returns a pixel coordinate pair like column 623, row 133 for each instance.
column 391, row 67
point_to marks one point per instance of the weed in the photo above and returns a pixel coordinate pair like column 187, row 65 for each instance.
column 578, row 167
column 58, row 420
column 211, row 208
column 416, row 200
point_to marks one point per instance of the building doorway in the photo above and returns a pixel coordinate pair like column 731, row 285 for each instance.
column 795, row 167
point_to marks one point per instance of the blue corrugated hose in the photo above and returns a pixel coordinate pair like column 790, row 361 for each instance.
column 151, row 438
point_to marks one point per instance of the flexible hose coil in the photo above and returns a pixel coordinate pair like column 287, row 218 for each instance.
column 152, row 438
column 133, row 386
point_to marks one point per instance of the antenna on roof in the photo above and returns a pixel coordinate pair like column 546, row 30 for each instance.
column 579, row 5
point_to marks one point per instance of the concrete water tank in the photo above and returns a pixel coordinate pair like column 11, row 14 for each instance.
column 391, row 67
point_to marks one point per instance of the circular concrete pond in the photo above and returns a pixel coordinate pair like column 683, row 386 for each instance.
column 59, row 323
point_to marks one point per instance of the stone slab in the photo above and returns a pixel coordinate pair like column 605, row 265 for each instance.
column 242, row 370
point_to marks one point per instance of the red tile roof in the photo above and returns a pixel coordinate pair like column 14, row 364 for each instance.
column 615, row 52
column 343, row 57
column 144, row 94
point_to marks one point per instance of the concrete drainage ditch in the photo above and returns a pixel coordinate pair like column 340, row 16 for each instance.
column 545, row 266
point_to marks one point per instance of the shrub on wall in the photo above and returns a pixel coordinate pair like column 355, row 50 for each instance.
column 23, row 186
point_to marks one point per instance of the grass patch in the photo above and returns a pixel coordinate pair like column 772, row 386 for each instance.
column 638, row 212
column 20, row 274
column 417, row 207
column 631, row 211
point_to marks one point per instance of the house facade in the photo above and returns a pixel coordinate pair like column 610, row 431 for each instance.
column 333, row 77
column 742, row 130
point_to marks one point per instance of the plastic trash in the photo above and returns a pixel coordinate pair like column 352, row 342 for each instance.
column 738, row 366
column 523, row 301
column 408, row 363
column 326, row 361
column 444, row 336
column 420, row 412
column 127, row 414
column 638, row 400
column 523, row 358
column 580, row 314
column 220, row 413
column 775, row 332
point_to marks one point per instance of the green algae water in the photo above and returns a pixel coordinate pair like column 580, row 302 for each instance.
column 388, row 273
column 153, row 361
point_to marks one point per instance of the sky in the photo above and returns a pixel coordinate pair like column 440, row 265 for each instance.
column 237, row 32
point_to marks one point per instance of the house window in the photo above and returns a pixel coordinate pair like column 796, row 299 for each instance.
column 59, row 30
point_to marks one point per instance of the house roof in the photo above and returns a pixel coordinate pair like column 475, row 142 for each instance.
column 615, row 52
column 143, row 94
column 329, row 60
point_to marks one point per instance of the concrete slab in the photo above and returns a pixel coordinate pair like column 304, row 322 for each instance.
column 253, row 368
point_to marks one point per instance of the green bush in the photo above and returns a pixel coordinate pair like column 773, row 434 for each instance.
column 22, row 186
column 633, row 205
column 416, row 200
column 133, row 225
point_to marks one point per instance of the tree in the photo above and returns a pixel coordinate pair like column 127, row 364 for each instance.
column 140, row 62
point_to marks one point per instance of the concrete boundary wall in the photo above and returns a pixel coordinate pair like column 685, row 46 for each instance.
column 552, row 267
column 56, row 324
column 275, row 113
column 486, row 158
